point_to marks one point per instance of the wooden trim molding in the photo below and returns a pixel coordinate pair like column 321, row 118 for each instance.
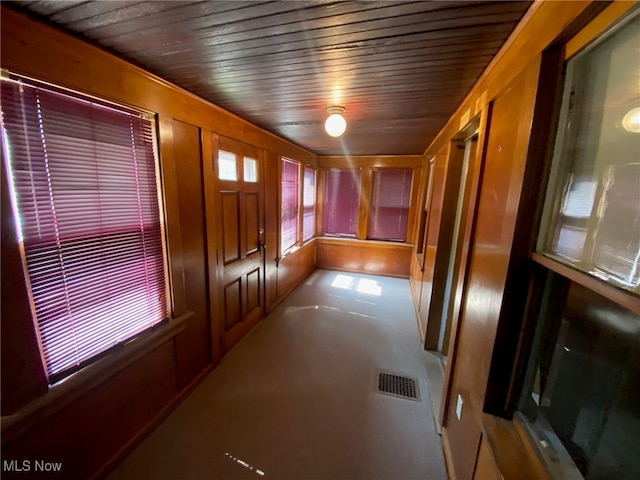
column 514, row 460
column 627, row 300
column 600, row 23
column 81, row 382
column 380, row 161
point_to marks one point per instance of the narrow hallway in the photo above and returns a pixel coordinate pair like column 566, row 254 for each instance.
column 297, row 399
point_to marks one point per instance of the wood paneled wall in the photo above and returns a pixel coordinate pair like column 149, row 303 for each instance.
column 93, row 420
column 515, row 99
column 362, row 256
column 488, row 265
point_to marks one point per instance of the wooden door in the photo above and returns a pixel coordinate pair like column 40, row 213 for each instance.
column 239, row 254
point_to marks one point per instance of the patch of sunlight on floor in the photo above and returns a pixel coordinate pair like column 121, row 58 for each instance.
column 343, row 281
column 370, row 287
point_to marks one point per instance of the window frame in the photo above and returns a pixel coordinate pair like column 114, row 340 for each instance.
column 403, row 217
column 358, row 200
column 555, row 191
column 121, row 353
column 544, row 266
column 300, row 239
column 314, row 206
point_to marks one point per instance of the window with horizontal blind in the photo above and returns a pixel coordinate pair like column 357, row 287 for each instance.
column 342, row 202
column 592, row 210
column 580, row 401
column 309, row 204
column 389, row 208
column 85, row 194
column 290, row 187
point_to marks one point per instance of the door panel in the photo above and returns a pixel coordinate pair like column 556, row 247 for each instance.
column 241, row 227
column 230, row 226
column 232, row 304
column 252, row 222
column 253, row 290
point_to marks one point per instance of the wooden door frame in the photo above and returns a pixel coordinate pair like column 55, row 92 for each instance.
column 468, row 234
column 210, row 146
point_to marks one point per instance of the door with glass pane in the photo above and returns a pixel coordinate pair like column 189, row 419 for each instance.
column 240, row 234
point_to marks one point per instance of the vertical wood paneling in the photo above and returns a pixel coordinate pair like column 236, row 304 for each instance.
column 272, row 225
column 489, row 261
column 193, row 346
column 294, row 268
column 209, row 144
column 172, row 215
column 110, row 415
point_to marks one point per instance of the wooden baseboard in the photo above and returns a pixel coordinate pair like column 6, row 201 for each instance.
column 131, row 445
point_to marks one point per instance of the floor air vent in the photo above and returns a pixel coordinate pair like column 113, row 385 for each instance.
column 398, row 385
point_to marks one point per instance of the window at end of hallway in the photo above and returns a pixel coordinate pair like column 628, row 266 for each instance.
column 389, row 207
column 342, row 202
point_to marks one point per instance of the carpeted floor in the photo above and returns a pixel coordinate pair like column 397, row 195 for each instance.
column 297, row 399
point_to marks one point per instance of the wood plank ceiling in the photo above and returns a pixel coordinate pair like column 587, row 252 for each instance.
column 399, row 68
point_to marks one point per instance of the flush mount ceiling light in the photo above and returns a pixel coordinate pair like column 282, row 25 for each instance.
column 631, row 121
column 335, row 124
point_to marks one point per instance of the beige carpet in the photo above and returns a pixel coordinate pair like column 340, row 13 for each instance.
column 296, row 399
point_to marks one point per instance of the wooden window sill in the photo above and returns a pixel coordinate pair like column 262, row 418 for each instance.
column 71, row 388
column 294, row 249
column 364, row 242
column 514, row 458
column 620, row 296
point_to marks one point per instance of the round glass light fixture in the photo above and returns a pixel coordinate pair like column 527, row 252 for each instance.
column 335, row 124
column 631, row 121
